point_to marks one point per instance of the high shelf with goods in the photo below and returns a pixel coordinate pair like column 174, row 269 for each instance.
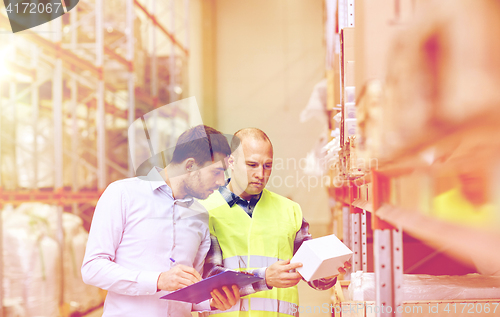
column 70, row 88
column 425, row 109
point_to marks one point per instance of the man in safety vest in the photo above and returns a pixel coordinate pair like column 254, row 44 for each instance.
column 253, row 229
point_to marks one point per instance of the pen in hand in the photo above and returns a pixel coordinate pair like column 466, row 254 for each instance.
column 179, row 276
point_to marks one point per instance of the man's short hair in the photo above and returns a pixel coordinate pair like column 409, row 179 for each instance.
column 254, row 133
column 200, row 143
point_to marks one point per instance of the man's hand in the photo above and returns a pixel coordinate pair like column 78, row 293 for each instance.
column 343, row 270
column 225, row 301
column 178, row 277
column 278, row 274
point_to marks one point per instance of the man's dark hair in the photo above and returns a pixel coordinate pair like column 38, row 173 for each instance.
column 200, row 143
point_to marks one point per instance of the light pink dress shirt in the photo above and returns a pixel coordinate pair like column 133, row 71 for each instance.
column 137, row 227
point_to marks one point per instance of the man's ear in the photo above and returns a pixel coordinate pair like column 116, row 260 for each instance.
column 231, row 161
column 189, row 164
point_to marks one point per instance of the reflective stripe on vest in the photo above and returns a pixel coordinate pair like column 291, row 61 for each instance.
column 265, row 304
column 240, row 262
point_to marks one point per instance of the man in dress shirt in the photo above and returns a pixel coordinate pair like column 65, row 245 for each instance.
column 149, row 236
column 255, row 229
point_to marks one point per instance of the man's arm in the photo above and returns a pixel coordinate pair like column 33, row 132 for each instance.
column 304, row 235
column 99, row 268
column 213, row 265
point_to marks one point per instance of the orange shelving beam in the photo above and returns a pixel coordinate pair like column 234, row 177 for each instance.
column 161, row 27
column 58, row 197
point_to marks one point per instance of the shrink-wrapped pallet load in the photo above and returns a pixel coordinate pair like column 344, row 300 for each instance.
column 79, row 295
column 31, row 254
column 31, row 259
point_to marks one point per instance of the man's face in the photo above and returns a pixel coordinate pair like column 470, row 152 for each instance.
column 251, row 166
column 204, row 179
column 474, row 182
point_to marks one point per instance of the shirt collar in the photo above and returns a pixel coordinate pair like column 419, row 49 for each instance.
column 231, row 198
column 156, row 180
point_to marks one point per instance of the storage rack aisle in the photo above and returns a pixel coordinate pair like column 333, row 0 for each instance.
column 69, row 90
column 417, row 155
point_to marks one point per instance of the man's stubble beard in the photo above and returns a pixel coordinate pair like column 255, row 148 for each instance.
column 190, row 190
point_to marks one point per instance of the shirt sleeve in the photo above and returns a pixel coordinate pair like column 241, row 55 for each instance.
column 202, row 307
column 98, row 268
column 213, row 265
column 304, row 235
column 198, row 264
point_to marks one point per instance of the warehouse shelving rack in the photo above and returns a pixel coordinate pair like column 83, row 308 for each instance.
column 379, row 192
column 85, row 91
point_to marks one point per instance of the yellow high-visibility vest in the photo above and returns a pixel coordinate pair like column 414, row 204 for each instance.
column 249, row 243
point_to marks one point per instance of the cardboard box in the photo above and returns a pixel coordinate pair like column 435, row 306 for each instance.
column 321, row 257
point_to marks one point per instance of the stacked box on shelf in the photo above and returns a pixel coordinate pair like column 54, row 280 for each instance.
column 369, row 116
column 444, row 72
column 378, row 22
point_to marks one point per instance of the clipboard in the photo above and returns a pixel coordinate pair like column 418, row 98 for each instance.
column 199, row 292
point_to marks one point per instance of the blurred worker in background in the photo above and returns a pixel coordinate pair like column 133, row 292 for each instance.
column 257, row 230
column 470, row 202
column 149, row 235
